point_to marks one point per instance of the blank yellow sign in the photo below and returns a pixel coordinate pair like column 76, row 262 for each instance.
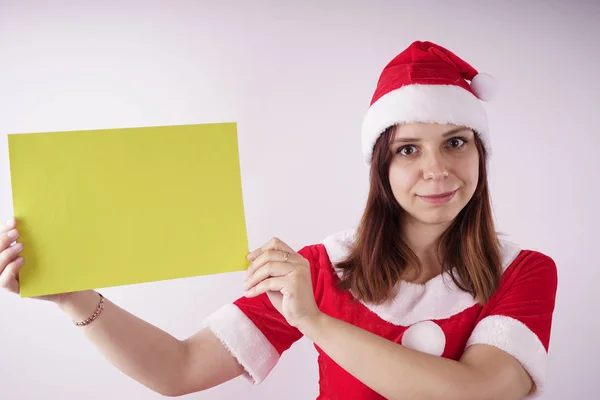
column 112, row 207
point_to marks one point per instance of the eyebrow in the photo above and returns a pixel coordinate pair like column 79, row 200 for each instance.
column 449, row 133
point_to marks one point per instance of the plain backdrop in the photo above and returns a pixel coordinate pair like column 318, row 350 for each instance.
column 297, row 77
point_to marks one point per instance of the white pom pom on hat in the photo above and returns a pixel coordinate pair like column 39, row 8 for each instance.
column 484, row 86
column 428, row 83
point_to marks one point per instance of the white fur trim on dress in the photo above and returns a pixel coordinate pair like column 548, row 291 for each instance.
column 445, row 104
column 438, row 298
column 515, row 338
column 244, row 341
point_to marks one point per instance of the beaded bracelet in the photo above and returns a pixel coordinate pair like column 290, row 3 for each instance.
column 95, row 315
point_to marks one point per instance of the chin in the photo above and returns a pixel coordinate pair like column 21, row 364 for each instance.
column 435, row 218
column 442, row 215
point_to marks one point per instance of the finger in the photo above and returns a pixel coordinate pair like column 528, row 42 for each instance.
column 269, row 270
column 276, row 284
column 253, row 254
column 7, row 238
column 7, row 256
column 9, row 277
column 10, row 223
column 270, row 255
column 274, row 243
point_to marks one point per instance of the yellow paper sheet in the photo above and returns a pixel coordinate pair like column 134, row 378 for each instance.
column 113, row 207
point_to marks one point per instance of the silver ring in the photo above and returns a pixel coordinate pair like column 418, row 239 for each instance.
column 285, row 256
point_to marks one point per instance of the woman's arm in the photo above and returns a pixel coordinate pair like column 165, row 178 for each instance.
column 142, row 351
column 397, row 372
column 149, row 355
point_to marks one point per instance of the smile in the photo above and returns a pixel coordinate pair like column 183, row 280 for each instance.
column 439, row 198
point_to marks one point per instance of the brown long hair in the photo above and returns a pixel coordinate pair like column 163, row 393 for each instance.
column 469, row 249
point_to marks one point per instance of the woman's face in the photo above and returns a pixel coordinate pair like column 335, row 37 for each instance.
column 434, row 170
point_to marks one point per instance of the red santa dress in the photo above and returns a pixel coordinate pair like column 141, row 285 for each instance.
column 436, row 318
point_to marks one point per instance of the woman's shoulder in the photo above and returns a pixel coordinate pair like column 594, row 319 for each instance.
column 326, row 253
column 528, row 264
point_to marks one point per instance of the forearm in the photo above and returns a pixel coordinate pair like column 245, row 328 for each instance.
column 144, row 352
column 392, row 370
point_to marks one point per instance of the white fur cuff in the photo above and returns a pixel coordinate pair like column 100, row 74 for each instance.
column 244, row 341
column 515, row 338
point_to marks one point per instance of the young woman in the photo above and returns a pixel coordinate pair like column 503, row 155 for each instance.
column 422, row 300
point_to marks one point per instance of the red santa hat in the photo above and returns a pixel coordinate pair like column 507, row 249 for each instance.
column 427, row 83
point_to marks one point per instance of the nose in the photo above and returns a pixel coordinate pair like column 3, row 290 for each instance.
column 434, row 167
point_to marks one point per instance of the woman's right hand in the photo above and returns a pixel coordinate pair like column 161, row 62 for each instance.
column 11, row 262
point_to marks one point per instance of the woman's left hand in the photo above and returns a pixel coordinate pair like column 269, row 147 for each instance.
column 284, row 276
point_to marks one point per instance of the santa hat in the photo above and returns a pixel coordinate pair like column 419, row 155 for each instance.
column 427, row 83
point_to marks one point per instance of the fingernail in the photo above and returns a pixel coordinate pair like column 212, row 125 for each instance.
column 20, row 260
column 19, row 246
column 10, row 221
column 12, row 234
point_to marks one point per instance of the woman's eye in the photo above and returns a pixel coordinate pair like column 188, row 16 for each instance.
column 456, row 142
column 406, row 150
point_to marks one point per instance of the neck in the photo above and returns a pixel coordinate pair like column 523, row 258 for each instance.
column 423, row 239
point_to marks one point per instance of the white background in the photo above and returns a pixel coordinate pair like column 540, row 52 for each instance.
column 297, row 79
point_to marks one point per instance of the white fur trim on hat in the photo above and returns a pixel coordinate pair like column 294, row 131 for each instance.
column 444, row 104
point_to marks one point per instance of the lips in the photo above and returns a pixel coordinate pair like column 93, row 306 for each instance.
column 436, row 196
column 439, row 198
